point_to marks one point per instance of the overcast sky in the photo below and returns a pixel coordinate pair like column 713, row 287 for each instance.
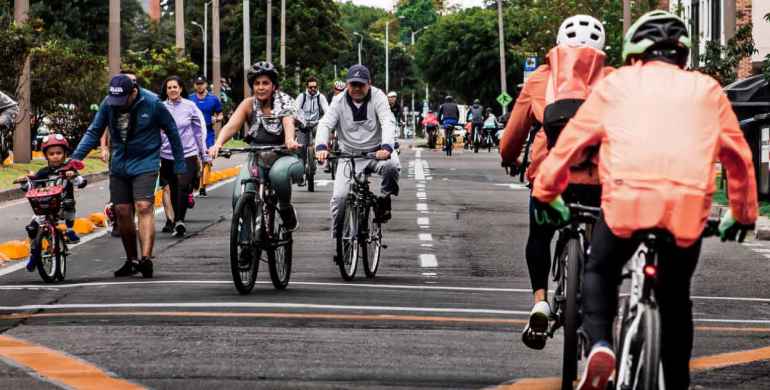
column 388, row 4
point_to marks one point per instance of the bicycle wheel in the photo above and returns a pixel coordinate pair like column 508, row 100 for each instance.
column 348, row 245
column 47, row 264
column 371, row 246
column 244, row 255
column 279, row 257
column 310, row 170
column 60, row 255
column 571, row 312
column 648, row 358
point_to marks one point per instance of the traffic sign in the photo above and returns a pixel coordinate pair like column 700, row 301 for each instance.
column 504, row 99
column 530, row 64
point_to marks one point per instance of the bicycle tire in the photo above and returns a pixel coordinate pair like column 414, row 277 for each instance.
column 571, row 312
column 371, row 247
column 310, row 171
column 246, row 211
column 47, row 264
column 279, row 258
column 648, row 364
column 60, row 254
column 348, row 243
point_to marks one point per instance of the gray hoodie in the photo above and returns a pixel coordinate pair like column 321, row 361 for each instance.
column 374, row 130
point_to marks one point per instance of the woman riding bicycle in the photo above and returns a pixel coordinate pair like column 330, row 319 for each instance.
column 260, row 112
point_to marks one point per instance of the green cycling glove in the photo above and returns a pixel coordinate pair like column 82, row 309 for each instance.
column 555, row 213
column 730, row 229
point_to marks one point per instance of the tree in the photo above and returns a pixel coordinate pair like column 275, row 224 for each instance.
column 721, row 61
column 414, row 15
column 153, row 66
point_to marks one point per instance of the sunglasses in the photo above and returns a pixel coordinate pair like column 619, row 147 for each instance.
column 57, row 137
column 312, row 87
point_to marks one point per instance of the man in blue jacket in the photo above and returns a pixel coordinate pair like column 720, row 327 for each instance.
column 135, row 117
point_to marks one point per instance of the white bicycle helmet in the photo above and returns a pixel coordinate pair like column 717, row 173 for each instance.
column 582, row 30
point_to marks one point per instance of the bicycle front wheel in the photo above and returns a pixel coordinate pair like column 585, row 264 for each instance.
column 60, row 256
column 310, row 170
column 279, row 259
column 571, row 313
column 371, row 246
column 648, row 366
column 348, row 244
column 47, row 264
column 244, row 255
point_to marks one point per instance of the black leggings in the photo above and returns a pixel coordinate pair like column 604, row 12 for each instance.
column 676, row 266
column 538, row 250
column 181, row 186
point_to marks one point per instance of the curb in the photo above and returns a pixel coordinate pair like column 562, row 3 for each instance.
column 19, row 249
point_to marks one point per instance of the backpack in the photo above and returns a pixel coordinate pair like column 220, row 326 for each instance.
column 317, row 102
column 574, row 70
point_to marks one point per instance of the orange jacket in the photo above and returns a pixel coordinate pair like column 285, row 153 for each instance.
column 578, row 69
column 661, row 129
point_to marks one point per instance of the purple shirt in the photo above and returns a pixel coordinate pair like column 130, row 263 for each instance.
column 188, row 123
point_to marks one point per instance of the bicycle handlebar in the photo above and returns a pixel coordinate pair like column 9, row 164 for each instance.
column 228, row 152
column 362, row 155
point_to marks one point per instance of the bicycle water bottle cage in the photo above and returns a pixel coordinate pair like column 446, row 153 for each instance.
column 556, row 116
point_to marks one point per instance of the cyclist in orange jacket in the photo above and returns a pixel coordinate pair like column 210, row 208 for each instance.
column 660, row 130
column 575, row 64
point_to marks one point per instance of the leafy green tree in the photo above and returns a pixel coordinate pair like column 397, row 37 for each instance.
column 414, row 15
column 721, row 61
column 152, row 67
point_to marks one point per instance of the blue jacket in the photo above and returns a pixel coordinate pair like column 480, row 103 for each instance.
column 140, row 153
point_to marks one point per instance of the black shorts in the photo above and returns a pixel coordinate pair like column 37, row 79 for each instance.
column 130, row 189
column 167, row 174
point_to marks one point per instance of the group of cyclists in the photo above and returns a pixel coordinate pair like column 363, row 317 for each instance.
column 599, row 145
column 481, row 125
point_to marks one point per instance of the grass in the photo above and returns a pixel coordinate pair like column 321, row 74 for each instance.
column 236, row 143
column 720, row 197
column 9, row 173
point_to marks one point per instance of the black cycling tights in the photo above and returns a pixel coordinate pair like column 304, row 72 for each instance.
column 676, row 266
column 181, row 186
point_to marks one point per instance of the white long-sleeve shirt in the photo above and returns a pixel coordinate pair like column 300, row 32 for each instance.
column 376, row 129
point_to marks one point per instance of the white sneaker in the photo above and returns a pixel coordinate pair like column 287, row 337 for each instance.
column 535, row 334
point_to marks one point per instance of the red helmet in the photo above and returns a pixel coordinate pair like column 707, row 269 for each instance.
column 55, row 140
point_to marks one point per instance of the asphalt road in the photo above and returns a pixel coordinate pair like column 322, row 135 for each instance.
column 444, row 311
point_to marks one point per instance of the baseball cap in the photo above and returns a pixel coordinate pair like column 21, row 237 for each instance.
column 120, row 89
column 358, row 74
column 200, row 80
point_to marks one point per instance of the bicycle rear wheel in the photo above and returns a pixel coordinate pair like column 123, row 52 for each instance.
column 310, row 170
column 371, row 246
column 60, row 254
column 279, row 258
column 244, row 255
column 571, row 313
column 348, row 243
column 648, row 367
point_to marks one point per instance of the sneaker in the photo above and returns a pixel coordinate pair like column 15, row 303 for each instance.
column 535, row 334
column 179, row 229
column 289, row 218
column 382, row 211
column 600, row 367
column 115, row 231
column 301, row 181
column 168, row 227
column 128, row 269
column 202, row 193
column 145, row 267
column 34, row 258
column 190, row 201
column 71, row 236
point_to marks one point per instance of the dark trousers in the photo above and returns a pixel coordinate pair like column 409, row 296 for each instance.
column 181, row 186
column 676, row 266
column 538, row 251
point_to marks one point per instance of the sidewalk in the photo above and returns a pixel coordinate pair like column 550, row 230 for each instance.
column 92, row 199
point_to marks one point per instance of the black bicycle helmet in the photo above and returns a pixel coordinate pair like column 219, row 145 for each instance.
column 449, row 98
column 262, row 68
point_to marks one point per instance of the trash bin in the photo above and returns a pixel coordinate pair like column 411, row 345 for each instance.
column 750, row 99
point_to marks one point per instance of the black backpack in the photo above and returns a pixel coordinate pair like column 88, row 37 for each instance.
column 556, row 116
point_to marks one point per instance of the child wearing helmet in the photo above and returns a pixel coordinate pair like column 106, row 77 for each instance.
column 55, row 149
column 653, row 176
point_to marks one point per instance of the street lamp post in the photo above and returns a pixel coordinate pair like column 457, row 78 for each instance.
column 361, row 40
column 501, row 36
column 269, row 45
column 179, row 16
column 246, row 46
column 387, row 60
column 205, row 46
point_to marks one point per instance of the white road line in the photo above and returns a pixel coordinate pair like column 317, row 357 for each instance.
column 514, row 186
column 101, row 232
column 429, row 274
column 760, row 250
column 422, row 207
column 423, row 221
column 766, row 255
column 425, row 236
column 426, row 245
column 419, row 170
column 428, row 261
column 418, row 153
column 752, row 244
column 262, row 305
column 421, row 194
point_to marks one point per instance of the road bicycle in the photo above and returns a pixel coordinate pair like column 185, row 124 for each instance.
column 47, row 197
column 255, row 235
column 361, row 236
column 488, row 140
column 309, row 155
column 636, row 329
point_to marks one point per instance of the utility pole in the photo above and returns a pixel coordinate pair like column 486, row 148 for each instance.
column 246, row 47
column 179, row 16
column 283, row 34
column 387, row 60
column 269, row 45
column 113, row 50
column 206, row 40
column 22, row 152
column 501, row 36
column 215, row 55
column 626, row 15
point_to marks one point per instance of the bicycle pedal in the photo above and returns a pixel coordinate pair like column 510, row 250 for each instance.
column 384, row 246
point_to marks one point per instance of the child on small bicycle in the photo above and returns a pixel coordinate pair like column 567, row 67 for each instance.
column 55, row 148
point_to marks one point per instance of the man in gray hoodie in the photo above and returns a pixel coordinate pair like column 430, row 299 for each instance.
column 364, row 124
